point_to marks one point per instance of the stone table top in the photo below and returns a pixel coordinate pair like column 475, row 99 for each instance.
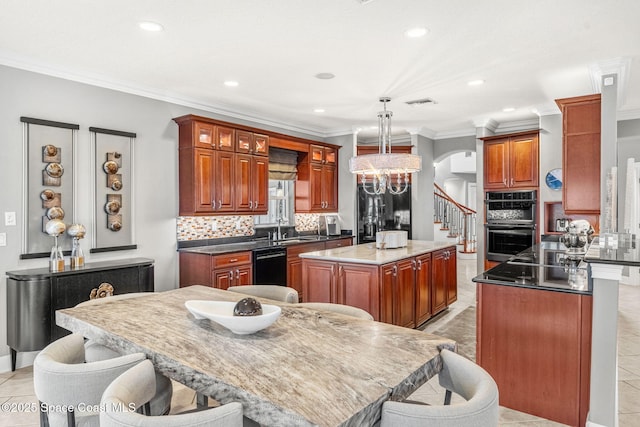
column 309, row 368
column 368, row 254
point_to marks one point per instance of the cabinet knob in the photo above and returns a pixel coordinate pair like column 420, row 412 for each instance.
column 419, row 264
column 237, row 274
column 414, row 264
column 250, row 204
column 219, row 204
column 255, row 204
column 395, row 271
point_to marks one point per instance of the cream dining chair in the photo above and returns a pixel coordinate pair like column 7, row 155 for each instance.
column 62, row 379
column 458, row 375
column 274, row 292
column 338, row 308
column 136, row 386
column 161, row 402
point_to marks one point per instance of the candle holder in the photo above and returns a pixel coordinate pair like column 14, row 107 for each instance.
column 77, row 232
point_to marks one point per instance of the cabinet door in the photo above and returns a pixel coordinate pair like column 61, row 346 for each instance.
column 315, row 182
column 358, row 287
column 260, row 145
column 438, row 282
column 496, row 167
column 581, row 174
column 244, row 141
column 423, row 288
column 294, row 275
column 203, row 176
column 388, row 275
column 523, row 161
column 242, row 182
column 316, row 154
column 243, row 276
column 260, row 184
column 225, row 138
column 224, row 183
column 452, row 283
column 223, row 278
column 404, row 294
column 319, row 280
column 204, row 135
column 330, row 156
column 329, row 189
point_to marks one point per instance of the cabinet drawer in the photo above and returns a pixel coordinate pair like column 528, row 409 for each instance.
column 295, row 250
column 338, row 243
column 237, row 258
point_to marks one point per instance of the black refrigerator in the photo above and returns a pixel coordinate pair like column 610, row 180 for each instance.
column 382, row 212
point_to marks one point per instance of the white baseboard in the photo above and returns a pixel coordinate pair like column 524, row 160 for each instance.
column 23, row 359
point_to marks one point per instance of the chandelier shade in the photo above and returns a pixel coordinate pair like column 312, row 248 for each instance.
column 385, row 171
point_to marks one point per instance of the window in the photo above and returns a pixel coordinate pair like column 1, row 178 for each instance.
column 281, row 205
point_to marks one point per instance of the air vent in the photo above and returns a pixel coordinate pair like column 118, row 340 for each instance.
column 421, row 101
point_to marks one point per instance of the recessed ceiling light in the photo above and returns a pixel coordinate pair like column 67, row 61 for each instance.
column 150, row 26
column 416, row 32
column 475, row 82
column 325, row 76
column 318, row 110
column 231, row 83
column 508, row 109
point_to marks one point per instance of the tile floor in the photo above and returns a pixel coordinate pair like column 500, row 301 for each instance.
column 17, row 387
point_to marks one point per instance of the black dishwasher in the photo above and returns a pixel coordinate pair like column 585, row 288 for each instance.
column 270, row 266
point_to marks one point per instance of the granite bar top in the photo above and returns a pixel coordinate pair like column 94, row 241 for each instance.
column 368, row 254
column 626, row 253
column 309, row 368
column 44, row 272
column 249, row 245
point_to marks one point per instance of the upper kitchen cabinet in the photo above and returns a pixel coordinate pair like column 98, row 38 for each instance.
column 252, row 143
column 580, row 154
column 215, row 174
column 511, row 161
column 317, row 184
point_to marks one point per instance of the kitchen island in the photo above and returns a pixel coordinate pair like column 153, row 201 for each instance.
column 534, row 332
column 402, row 286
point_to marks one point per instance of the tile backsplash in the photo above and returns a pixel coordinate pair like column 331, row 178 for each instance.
column 215, row 227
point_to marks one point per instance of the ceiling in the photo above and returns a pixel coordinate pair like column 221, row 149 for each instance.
column 527, row 53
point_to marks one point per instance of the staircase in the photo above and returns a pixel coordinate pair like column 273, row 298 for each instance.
column 456, row 220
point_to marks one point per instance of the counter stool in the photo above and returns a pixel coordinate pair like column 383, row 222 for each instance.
column 274, row 292
column 338, row 308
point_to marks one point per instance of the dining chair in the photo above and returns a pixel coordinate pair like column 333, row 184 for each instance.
column 338, row 308
column 458, row 375
column 136, row 386
column 62, row 380
column 161, row 402
column 274, row 292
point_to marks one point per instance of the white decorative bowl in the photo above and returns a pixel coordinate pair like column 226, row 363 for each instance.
column 221, row 312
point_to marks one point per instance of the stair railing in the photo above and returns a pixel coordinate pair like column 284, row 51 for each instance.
column 458, row 219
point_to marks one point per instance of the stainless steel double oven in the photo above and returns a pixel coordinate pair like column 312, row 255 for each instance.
column 510, row 223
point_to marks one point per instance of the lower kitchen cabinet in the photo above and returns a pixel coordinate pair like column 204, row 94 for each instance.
column 536, row 344
column 406, row 293
column 218, row 271
column 34, row 295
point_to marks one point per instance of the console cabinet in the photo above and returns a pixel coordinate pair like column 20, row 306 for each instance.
column 34, row 295
column 511, row 161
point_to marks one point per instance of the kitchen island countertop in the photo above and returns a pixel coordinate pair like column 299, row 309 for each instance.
column 368, row 254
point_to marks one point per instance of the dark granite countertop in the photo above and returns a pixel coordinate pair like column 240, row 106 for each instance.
column 211, row 247
column 547, row 266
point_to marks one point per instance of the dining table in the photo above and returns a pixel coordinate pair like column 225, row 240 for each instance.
column 310, row 367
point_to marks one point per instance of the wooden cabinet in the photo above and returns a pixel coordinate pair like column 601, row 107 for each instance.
column 218, row 271
column 423, row 289
column 294, row 262
column 34, row 295
column 401, row 293
column 222, row 169
column 581, row 154
column 444, row 286
column 537, row 343
column 511, row 161
column 317, row 184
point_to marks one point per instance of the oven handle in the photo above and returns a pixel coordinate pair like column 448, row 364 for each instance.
column 521, row 232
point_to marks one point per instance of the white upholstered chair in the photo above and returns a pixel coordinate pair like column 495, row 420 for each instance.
column 61, row 379
column 274, row 292
column 161, row 402
column 458, row 375
column 338, row 308
column 136, row 386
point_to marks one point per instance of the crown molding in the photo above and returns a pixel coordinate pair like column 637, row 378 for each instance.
column 456, row 133
column 620, row 66
column 488, row 124
column 628, row 115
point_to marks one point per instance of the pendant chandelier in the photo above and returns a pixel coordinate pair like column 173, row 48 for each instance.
column 385, row 171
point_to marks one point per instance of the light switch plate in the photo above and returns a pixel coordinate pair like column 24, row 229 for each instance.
column 9, row 218
column 3, row 239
